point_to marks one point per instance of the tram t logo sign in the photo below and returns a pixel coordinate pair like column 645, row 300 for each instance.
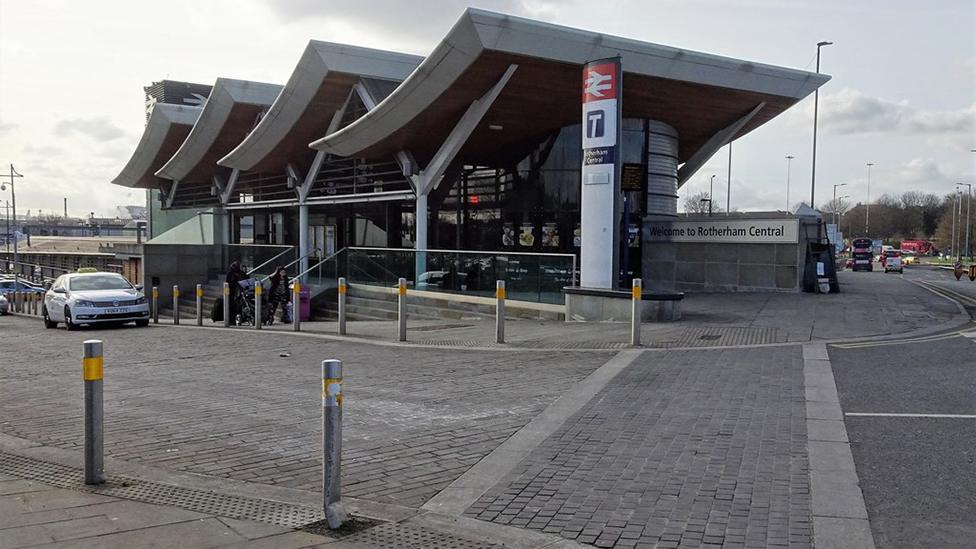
column 595, row 123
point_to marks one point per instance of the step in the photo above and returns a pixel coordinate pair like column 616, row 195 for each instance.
column 413, row 310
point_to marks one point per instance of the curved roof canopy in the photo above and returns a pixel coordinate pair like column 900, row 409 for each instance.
column 231, row 112
column 165, row 131
column 317, row 88
column 699, row 94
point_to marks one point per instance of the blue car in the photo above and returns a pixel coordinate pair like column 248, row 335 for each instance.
column 9, row 285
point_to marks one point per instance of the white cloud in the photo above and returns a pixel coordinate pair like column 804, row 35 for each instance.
column 850, row 111
column 99, row 128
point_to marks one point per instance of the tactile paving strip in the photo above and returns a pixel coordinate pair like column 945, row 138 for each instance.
column 272, row 512
column 367, row 531
column 396, row 535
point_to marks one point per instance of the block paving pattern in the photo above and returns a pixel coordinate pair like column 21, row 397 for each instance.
column 682, row 449
column 226, row 404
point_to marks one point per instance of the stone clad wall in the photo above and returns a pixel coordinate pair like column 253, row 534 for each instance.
column 714, row 267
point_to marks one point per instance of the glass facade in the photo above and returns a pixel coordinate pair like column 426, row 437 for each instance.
column 530, row 201
column 526, row 201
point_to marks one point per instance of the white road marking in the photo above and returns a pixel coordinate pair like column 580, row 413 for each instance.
column 906, row 341
column 937, row 416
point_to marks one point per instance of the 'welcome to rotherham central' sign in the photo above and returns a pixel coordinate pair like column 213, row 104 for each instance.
column 749, row 231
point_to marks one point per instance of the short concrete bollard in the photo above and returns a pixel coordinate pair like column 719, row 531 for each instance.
column 335, row 515
column 258, row 291
column 199, row 304
column 155, row 304
column 402, row 308
column 635, row 313
column 296, row 307
column 176, row 304
column 227, row 311
column 342, row 305
column 92, row 367
column 500, row 311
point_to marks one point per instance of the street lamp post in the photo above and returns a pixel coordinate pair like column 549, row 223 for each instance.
column 952, row 208
column 816, row 106
column 834, row 204
column 6, row 237
column 711, row 188
column 867, row 205
column 789, row 161
column 969, row 199
column 13, row 203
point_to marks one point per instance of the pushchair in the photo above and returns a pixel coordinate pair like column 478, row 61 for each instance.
column 245, row 305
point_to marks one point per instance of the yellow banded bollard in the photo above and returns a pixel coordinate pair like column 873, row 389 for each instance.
column 499, row 311
column 176, row 304
column 343, row 289
column 92, row 367
column 199, row 304
column 296, row 306
column 402, row 308
column 227, row 310
column 635, row 313
column 335, row 515
column 258, row 291
column 155, row 304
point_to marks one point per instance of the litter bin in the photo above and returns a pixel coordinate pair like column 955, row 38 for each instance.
column 305, row 303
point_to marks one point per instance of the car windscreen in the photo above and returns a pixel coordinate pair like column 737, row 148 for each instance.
column 98, row 282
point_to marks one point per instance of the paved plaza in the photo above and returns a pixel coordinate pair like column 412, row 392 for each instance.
column 213, row 436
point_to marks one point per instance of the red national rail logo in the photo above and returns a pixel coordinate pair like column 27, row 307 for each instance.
column 599, row 82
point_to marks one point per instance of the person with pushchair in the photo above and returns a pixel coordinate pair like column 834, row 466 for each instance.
column 278, row 294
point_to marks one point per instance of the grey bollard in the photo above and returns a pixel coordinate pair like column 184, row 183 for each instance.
column 35, row 303
column 258, row 292
column 402, row 308
column 176, row 304
column 635, row 313
column 92, row 366
column 226, row 305
column 342, row 305
column 199, row 304
column 296, row 307
column 332, row 442
column 155, row 305
column 500, row 311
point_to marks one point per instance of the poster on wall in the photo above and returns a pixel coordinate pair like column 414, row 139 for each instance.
column 633, row 236
column 577, row 236
column 526, row 238
column 550, row 235
column 508, row 234
column 600, row 172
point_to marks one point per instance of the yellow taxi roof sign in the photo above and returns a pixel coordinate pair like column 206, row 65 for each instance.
column 88, row 270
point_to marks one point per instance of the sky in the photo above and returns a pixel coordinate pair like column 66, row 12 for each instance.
column 902, row 94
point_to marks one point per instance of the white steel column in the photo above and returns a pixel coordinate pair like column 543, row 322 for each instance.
column 303, row 237
column 421, row 241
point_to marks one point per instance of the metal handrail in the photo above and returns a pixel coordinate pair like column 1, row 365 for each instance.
column 317, row 265
column 475, row 252
column 289, row 264
column 479, row 252
column 263, row 265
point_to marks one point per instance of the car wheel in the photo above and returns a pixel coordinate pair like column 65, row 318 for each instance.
column 142, row 323
column 68, row 324
column 48, row 323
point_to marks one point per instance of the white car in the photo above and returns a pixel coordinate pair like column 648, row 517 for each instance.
column 94, row 298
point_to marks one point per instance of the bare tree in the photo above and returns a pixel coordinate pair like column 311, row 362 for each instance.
column 697, row 203
column 836, row 207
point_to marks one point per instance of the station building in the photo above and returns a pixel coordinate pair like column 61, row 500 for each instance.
column 475, row 147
